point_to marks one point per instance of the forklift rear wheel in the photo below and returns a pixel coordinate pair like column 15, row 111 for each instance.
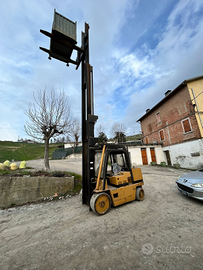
column 100, row 203
column 140, row 194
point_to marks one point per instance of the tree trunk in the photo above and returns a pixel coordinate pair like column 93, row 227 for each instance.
column 76, row 142
column 46, row 154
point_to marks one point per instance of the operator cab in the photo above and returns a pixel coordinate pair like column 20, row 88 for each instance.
column 116, row 169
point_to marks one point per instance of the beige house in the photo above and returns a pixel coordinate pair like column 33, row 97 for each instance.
column 195, row 87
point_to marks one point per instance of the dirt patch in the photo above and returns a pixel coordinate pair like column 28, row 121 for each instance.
column 161, row 232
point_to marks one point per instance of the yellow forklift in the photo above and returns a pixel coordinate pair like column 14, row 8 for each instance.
column 107, row 177
column 115, row 183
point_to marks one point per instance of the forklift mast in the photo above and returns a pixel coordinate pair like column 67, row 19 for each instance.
column 88, row 120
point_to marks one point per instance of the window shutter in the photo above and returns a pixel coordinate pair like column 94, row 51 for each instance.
column 161, row 135
column 186, row 125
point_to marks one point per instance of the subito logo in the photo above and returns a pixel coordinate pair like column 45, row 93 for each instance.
column 147, row 249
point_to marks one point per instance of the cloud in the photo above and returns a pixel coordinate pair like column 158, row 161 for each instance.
column 136, row 55
column 176, row 57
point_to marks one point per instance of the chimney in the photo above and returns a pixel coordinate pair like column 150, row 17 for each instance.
column 167, row 93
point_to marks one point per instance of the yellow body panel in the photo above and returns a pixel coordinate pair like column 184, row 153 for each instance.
column 123, row 194
column 125, row 177
column 120, row 178
column 137, row 174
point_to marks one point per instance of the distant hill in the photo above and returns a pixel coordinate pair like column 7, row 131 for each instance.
column 131, row 137
column 134, row 137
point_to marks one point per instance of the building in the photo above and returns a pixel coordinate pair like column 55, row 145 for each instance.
column 144, row 154
column 177, row 122
column 71, row 145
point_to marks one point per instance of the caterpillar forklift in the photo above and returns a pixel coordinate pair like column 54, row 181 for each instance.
column 107, row 176
column 115, row 183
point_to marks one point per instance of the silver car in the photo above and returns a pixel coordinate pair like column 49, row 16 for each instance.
column 191, row 184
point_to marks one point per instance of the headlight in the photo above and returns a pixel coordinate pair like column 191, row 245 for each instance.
column 199, row 185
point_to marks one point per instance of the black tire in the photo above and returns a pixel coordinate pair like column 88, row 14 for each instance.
column 140, row 194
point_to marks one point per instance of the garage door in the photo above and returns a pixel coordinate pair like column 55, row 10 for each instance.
column 144, row 156
column 153, row 156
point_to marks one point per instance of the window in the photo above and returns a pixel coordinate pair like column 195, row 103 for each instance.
column 161, row 134
column 147, row 140
column 158, row 117
column 186, row 125
column 149, row 128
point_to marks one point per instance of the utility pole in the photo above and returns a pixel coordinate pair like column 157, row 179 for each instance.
column 62, row 43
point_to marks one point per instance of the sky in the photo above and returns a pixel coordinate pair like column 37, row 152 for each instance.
column 139, row 49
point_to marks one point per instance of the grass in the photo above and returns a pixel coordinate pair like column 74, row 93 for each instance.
column 7, row 171
column 77, row 182
column 19, row 151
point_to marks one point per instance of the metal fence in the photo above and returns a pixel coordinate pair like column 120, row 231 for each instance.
column 62, row 153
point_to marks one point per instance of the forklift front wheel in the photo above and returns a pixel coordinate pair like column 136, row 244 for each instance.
column 100, row 203
column 140, row 194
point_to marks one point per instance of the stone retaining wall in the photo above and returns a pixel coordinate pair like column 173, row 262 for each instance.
column 19, row 190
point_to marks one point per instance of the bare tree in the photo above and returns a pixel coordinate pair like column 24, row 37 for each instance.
column 118, row 131
column 99, row 129
column 75, row 133
column 49, row 117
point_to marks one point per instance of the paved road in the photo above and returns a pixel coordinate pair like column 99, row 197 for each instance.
column 162, row 232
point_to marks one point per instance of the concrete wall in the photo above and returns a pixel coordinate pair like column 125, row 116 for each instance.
column 136, row 157
column 19, row 190
column 74, row 156
column 188, row 155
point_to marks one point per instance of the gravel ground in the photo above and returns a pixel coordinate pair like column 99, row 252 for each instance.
column 71, row 165
column 162, row 232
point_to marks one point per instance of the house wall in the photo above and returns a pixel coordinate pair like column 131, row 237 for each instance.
column 136, row 157
column 197, row 87
column 172, row 112
column 187, row 155
column 68, row 145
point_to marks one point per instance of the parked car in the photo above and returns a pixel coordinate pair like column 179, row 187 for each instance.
column 191, row 184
